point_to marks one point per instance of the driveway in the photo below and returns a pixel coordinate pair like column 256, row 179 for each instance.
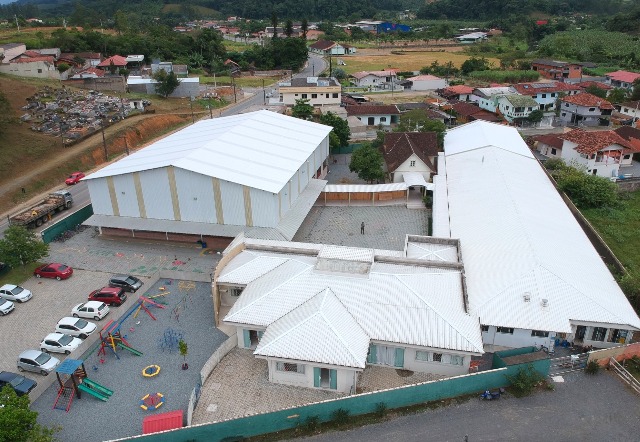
column 583, row 408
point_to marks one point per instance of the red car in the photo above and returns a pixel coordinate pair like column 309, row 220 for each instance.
column 74, row 178
column 53, row 270
column 114, row 296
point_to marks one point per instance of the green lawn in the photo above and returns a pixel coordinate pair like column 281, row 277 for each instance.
column 240, row 81
column 619, row 228
column 18, row 275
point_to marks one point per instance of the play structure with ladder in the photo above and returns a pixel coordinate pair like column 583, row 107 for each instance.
column 73, row 381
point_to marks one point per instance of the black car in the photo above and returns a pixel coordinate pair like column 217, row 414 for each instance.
column 19, row 383
column 128, row 283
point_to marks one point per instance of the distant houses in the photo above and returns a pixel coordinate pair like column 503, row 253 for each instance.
column 556, row 70
column 327, row 47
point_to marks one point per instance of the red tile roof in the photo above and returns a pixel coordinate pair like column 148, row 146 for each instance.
column 631, row 135
column 593, row 141
column 365, row 109
column 589, row 100
column 586, row 84
column 550, row 140
column 458, row 89
column 625, row 76
column 473, row 112
column 118, row 60
column 92, row 70
column 323, row 45
column 399, row 146
column 47, row 58
column 544, row 88
column 31, row 53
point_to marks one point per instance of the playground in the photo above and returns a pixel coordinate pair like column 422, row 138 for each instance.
column 135, row 370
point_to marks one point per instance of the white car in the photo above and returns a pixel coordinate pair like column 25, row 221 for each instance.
column 14, row 292
column 91, row 309
column 6, row 307
column 59, row 343
column 75, row 327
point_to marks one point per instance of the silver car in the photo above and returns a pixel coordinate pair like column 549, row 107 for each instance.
column 37, row 361
column 14, row 292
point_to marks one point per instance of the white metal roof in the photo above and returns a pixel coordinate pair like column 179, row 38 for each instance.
column 519, row 238
column 323, row 320
column 397, row 302
column 260, row 149
column 416, row 179
column 390, row 187
column 440, row 207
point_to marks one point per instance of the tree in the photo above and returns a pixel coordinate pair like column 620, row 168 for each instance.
column 535, row 116
column 274, row 23
column 20, row 247
column 617, row 95
column 475, row 64
column 18, row 422
column 635, row 93
column 367, row 162
column 586, row 190
column 417, row 120
column 302, row 109
column 338, row 74
column 304, row 27
column 595, row 90
column 340, row 127
column 167, row 82
column 63, row 67
column 288, row 28
column 184, row 349
column 112, row 68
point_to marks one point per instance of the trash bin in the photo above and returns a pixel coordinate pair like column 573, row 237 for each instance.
column 204, row 244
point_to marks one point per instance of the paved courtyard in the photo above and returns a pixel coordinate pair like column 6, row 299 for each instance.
column 385, row 227
column 583, row 408
column 239, row 385
column 375, row 378
column 339, row 172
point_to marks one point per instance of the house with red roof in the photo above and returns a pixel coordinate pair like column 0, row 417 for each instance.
column 410, row 152
column 427, row 83
column 458, row 92
column 556, row 70
column 546, row 94
column 376, row 79
column 41, row 66
column 467, row 112
column 623, row 79
column 631, row 109
column 328, row 47
column 117, row 60
column 585, row 109
column 375, row 115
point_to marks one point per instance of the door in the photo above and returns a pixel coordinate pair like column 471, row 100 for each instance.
column 371, row 121
column 580, row 332
column 325, row 378
column 385, row 355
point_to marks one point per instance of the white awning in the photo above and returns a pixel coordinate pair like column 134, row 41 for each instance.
column 416, row 179
column 361, row 188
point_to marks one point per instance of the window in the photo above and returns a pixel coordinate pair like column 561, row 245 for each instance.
column 553, row 94
column 335, row 95
column 566, row 105
column 39, row 71
column 484, row 328
column 506, row 107
column 327, row 95
column 383, row 119
column 304, row 95
column 592, row 109
column 235, row 291
column 553, row 151
column 544, row 95
column 505, row 330
column 564, row 114
column 598, row 333
column 540, row 333
column 314, row 95
column 289, row 367
column 296, row 95
column 441, row 358
column 437, row 357
column 413, row 163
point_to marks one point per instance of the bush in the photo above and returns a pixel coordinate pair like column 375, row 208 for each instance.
column 555, row 164
column 525, row 381
column 340, row 416
column 587, row 191
column 311, row 423
column 505, row 76
column 592, row 368
column 381, row 409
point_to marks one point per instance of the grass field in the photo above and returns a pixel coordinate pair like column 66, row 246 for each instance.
column 240, row 81
column 405, row 61
column 18, row 275
column 619, row 228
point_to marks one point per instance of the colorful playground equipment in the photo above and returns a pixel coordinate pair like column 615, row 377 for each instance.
column 150, row 371
column 73, row 380
column 152, row 401
column 170, row 339
column 141, row 306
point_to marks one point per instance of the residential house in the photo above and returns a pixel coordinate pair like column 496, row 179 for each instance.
column 487, row 97
column 516, row 108
column 632, row 137
column 585, row 109
column 91, row 59
column 467, row 112
column 381, row 27
column 427, row 83
column 473, row 37
column 532, row 274
column 327, row 47
column 556, row 70
column 376, row 79
column 53, row 52
column 631, row 109
column 375, row 115
column 583, row 85
column 623, row 79
column 115, row 62
column 319, row 91
column 258, row 172
column 314, row 34
column 410, row 152
column 549, row 145
column 89, row 72
column 187, row 87
column 35, row 67
column 546, row 94
column 10, row 51
column 600, row 152
column 458, row 92
column 320, row 314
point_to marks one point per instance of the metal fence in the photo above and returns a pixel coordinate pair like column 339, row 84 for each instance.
column 567, row 364
column 624, row 375
column 67, row 223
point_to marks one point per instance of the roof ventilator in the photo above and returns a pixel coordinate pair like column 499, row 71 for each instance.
column 527, row 297
column 545, row 303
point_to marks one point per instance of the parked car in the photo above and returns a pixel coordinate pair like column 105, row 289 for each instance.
column 38, row 362
column 53, row 270
column 113, row 296
column 19, row 383
column 75, row 327
column 14, row 292
column 74, row 178
column 6, row 307
column 127, row 282
column 59, row 343
column 90, row 309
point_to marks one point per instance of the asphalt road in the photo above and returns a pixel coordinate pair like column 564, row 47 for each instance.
column 80, row 192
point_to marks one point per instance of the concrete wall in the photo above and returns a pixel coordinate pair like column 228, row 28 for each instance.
column 112, row 84
column 345, row 378
column 429, row 85
column 620, row 353
column 519, row 338
column 318, row 96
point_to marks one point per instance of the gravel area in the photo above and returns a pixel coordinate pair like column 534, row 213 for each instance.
column 91, row 420
column 339, row 172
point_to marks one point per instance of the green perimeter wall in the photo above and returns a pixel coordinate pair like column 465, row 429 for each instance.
column 541, row 366
column 68, row 223
column 357, row 405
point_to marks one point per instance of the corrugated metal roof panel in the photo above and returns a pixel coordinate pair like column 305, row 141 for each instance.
column 260, row 149
column 440, row 206
column 391, row 187
column 522, row 238
column 347, row 253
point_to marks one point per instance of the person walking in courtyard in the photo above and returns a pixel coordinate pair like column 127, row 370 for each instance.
column 362, row 228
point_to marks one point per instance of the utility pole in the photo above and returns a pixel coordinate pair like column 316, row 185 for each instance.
column 104, row 141
column 126, row 145
column 264, row 93
column 233, row 83
column 17, row 24
column 193, row 118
